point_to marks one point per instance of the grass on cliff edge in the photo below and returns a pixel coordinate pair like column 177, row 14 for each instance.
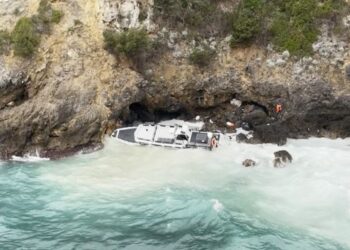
column 291, row 25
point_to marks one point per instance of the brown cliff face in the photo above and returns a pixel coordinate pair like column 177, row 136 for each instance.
column 73, row 92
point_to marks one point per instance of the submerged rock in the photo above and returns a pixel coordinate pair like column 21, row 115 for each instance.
column 248, row 163
column 282, row 158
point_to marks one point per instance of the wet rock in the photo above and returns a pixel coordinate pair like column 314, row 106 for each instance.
column 282, row 158
column 275, row 133
column 241, row 138
column 248, row 163
column 256, row 117
column 246, row 126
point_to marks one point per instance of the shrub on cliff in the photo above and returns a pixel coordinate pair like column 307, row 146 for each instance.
column 24, row 37
column 56, row 16
column 294, row 29
column 202, row 57
column 46, row 16
column 291, row 25
column 204, row 17
column 246, row 21
column 5, row 41
column 130, row 43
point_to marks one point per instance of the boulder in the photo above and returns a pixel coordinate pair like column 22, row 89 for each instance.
column 256, row 117
column 275, row 133
column 282, row 158
column 246, row 126
column 248, row 163
column 241, row 138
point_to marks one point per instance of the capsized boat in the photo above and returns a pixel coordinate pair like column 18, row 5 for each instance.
column 172, row 134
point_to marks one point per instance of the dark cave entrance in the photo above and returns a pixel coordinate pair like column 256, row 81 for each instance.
column 258, row 105
column 139, row 112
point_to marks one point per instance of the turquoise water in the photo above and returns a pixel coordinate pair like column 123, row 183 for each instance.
column 129, row 197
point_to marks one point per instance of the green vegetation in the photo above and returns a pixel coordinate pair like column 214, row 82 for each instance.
column 202, row 57
column 188, row 12
column 5, row 41
column 294, row 29
column 130, row 43
column 46, row 16
column 290, row 24
column 330, row 8
column 202, row 16
column 56, row 16
column 24, row 37
column 247, row 21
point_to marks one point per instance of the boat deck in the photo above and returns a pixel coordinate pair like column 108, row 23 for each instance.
column 127, row 135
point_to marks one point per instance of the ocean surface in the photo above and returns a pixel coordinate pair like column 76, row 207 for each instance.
column 134, row 197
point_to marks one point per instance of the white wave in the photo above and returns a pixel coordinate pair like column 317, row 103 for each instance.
column 29, row 158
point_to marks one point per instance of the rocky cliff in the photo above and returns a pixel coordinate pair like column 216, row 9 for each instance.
column 73, row 92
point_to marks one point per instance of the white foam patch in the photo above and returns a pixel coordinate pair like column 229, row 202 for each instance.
column 217, row 206
column 29, row 158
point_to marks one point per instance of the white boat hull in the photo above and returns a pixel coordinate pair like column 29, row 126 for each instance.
column 178, row 136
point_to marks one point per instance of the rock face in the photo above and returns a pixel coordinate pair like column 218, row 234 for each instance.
column 73, row 92
column 282, row 158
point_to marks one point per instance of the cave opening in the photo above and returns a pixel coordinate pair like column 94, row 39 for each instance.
column 264, row 108
column 139, row 112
